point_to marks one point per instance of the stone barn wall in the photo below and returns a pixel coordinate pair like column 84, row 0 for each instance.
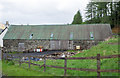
column 85, row 44
column 13, row 44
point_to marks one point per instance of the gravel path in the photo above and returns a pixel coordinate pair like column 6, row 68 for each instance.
column 44, row 53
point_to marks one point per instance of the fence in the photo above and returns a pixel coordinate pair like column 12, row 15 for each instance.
column 98, row 58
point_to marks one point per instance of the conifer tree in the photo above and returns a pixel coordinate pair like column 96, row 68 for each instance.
column 77, row 18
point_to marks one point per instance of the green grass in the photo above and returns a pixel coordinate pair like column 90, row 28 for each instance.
column 14, row 70
column 72, row 51
column 0, row 67
column 103, row 48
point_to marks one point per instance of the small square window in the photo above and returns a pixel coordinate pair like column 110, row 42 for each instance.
column 51, row 36
column 75, row 42
column 71, row 35
column 31, row 35
column 91, row 35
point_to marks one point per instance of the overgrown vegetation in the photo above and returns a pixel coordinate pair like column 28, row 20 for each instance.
column 104, row 48
column 116, row 30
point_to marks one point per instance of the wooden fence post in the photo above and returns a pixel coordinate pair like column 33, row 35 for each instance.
column 98, row 65
column 65, row 65
column 19, row 61
column 29, row 61
column 2, row 54
column 6, row 58
column 44, row 63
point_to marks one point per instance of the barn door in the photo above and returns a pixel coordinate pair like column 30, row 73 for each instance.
column 52, row 45
column 55, row 45
column 21, row 47
column 64, row 45
column 59, row 45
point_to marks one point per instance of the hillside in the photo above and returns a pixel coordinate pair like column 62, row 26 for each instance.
column 104, row 48
column 109, row 47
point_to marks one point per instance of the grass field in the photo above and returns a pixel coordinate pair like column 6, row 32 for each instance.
column 104, row 48
column 13, row 70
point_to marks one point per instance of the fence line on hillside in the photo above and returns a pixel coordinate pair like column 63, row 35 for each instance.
column 98, row 58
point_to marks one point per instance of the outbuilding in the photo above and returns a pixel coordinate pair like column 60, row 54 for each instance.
column 55, row 37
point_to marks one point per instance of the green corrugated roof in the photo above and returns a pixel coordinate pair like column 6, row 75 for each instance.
column 80, row 32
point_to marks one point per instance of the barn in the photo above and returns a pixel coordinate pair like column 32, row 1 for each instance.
column 55, row 37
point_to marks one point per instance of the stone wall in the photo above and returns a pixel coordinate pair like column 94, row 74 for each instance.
column 13, row 45
column 85, row 44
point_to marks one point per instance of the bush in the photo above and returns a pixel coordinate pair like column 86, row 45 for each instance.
column 10, row 63
column 6, row 61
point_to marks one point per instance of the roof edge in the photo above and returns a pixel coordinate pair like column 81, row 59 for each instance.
column 59, row 25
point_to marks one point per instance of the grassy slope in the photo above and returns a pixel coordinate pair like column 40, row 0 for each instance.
column 103, row 48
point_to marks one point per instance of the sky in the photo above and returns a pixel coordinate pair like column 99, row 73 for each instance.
column 41, row 11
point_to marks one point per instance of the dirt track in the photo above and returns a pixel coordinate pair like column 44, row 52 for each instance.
column 34, row 54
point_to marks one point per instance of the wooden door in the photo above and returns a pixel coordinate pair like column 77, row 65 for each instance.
column 64, row 45
column 54, row 45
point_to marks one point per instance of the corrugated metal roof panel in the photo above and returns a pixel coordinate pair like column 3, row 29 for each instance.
column 80, row 32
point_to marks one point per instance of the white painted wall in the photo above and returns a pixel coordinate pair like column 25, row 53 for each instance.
column 1, row 37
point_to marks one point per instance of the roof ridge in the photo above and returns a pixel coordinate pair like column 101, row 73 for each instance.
column 61, row 25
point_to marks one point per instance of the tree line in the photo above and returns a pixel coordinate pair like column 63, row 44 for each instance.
column 100, row 12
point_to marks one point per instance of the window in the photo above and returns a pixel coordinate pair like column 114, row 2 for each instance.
column 91, row 35
column 51, row 36
column 31, row 35
column 71, row 35
column 75, row 42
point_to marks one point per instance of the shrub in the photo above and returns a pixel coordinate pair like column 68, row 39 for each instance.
column 10, row 63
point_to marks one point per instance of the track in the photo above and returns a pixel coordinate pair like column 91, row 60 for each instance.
column 35, row 54
column 43, row 53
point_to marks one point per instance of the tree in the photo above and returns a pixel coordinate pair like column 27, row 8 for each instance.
column 77, row 18
column 115, row 15
column 103, row 12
